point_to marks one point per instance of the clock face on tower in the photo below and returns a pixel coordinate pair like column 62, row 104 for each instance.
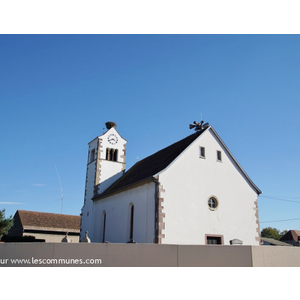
column 112, row 139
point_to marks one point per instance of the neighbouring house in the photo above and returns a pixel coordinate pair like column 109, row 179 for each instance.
column 292, row 237
column 272, row 242
column 49, row 227
column 191, row 192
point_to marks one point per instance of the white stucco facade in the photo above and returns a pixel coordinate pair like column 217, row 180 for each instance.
column 117, row 210
column 171, row 206
column 190, row 181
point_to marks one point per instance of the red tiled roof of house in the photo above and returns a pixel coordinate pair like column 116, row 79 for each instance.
column 291, row 235
column 49, row 221
column 295, row 234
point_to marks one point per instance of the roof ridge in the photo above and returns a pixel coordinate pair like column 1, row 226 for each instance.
column 172, row 145
column 41, row 212
column 152, row 164
column 48, row 220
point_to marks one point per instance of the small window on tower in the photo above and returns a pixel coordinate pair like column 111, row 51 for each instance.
column 202, row 152
column 108, row 154
column 115, row 155
column 92, row 155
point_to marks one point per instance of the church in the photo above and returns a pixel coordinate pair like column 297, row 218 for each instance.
column 191, row 192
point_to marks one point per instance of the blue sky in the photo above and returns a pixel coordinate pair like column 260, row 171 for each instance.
column 57, row 92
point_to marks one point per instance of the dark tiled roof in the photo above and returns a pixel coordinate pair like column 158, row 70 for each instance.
column 291, row 235
column 34, row 219
column 151, row 165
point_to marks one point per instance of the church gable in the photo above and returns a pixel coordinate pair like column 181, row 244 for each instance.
column 213, row 149
column 112, row 143
column 223, row 152
column 207, row 197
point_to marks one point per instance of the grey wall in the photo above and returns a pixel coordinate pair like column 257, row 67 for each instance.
column 145, row 255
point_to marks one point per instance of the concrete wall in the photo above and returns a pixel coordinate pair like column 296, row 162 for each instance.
column 145, row 255
column 278, row 256
column 52, row 238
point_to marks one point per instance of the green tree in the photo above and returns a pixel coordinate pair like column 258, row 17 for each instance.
column 5, row 224
column 273, row 233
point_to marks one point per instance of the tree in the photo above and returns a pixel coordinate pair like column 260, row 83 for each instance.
column 5, row 224
column 273, row 233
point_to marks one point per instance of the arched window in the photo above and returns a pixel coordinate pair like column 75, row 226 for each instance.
column 103, row 225
column 112, row 151
column 111, row 154
column 107, row 153
column 115, row 155
column 131, row 223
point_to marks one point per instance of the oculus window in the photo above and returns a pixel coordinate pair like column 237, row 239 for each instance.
column 213, row 203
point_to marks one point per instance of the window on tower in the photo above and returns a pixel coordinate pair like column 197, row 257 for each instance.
column 92, row 155
column 112, row 154
column 107, row 154
column 115, row 156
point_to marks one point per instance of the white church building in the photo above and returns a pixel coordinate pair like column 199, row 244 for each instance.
column 191, row 192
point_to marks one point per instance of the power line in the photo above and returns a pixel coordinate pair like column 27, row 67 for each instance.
column 278, row 198
column 282, row 199
column 294, row 219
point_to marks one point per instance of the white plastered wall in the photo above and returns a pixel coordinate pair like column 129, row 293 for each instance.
column 86, row 211
column 188, row 184
column 107, row 172
column 111, row 170
column 117, row 208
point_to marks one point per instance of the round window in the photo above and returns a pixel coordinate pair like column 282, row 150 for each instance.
column 213, row 203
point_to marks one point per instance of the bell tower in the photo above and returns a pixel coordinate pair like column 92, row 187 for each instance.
column 106, row 164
